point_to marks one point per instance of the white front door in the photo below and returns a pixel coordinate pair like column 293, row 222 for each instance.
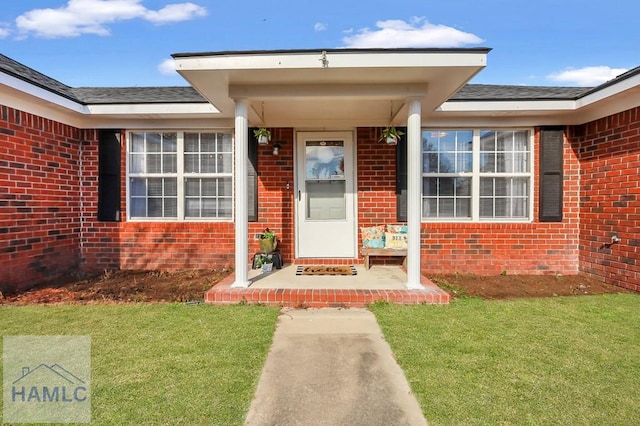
column 325, row 203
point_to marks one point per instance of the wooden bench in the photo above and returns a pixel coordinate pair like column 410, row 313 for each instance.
column 367, row 252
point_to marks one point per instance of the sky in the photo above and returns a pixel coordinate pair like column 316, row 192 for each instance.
column 128, row 43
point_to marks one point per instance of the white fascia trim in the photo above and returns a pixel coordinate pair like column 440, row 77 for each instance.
column 40, row 93
column 311, row 60
column 494, row 106
column 609, row 92
column 125, row 109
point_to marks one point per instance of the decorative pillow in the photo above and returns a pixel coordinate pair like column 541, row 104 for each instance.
column 398, row 229
column 373, row 236
column 395, row 240
column 374, row 241
column 371, row 230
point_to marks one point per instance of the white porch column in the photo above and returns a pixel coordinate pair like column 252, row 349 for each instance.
column 414, row 191
column 241, row 193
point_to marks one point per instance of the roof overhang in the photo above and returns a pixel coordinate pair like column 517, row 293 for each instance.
column 617, row 95
column 367, row 87
column 332, row 88
column 31, row 98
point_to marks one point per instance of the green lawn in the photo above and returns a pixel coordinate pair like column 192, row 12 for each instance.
column 555, row 361
column 165, row 363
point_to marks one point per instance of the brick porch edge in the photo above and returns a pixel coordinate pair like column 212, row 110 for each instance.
column 223, row 294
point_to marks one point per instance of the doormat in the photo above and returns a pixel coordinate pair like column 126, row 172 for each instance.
column 326, row 270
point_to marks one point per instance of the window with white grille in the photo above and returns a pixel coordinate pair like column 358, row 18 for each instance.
column 476, row 174
column 180, row 175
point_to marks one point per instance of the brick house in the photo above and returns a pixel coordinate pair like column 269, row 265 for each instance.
column 487, row 178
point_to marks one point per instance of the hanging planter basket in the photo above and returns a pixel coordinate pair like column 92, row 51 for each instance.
column 390, row 135
column 392, row 140
column 263, row 135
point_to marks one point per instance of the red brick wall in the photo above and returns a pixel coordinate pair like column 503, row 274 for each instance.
column 50, row 225
column 609, row 152
column 39, row 199
column 99, row 241
column 146, row 245
column 376, row 180
column 532, row 248
column 376, row 164
column 180, row 245
column 481, row 248
column 275, row 201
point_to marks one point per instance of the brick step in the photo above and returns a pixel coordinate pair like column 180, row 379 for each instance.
column 223, row 294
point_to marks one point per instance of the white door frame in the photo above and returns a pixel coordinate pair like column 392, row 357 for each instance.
column 345, row 232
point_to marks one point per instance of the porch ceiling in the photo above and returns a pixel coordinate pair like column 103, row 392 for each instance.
column 338, row 87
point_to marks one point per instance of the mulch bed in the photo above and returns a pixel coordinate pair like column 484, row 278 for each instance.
column 124, row 287
column 189, row 286
column 518, row 286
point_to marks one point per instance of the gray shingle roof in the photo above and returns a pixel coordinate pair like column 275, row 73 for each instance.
column 487, row 92
column 101, row 95
column 24, row 73
column 187, row 94
column 138, row 95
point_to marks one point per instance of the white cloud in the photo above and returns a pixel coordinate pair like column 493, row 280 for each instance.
column 167, row 67
column 587, row 76
column 92, row 16
column 4, row 32
column 415, row 33
column 175, row 13
column 320, row 26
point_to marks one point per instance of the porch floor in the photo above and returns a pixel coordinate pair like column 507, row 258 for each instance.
column 283, row 287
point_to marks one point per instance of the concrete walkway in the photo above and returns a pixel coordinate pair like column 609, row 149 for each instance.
column 332, row 367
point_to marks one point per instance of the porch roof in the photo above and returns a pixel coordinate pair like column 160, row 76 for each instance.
column 334, row 87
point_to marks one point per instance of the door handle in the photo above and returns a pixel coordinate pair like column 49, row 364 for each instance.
column 299, row 195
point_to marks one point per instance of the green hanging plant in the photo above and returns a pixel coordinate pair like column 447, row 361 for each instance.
column 263, row 135
column 390, row 135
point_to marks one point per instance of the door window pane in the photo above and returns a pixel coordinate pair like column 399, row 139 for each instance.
column 324, row 160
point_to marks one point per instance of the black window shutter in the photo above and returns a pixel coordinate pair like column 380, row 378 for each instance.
column 109, row 175
column 551, row 174
column 401, row 177
column 252, row 178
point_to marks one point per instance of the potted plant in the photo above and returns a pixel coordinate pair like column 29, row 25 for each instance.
column 264, row 262
column 267, row 264
column 268, row 241
column 390, row 135
column 263, row 135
